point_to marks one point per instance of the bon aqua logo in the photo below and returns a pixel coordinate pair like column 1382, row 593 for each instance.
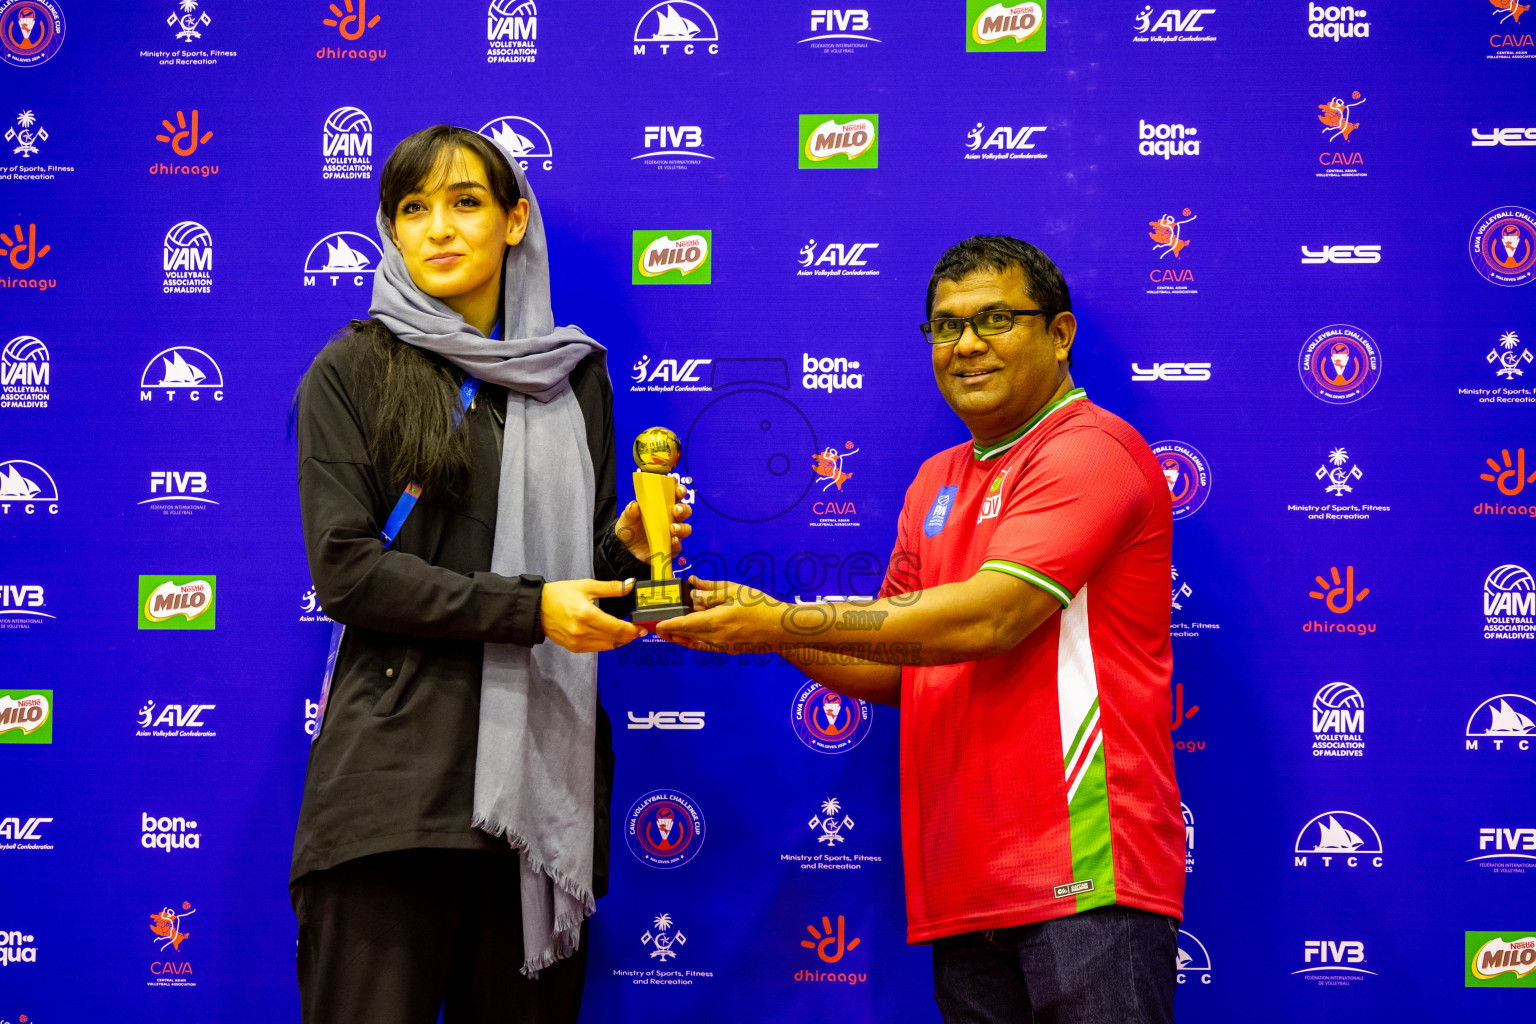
column 1004, row 28
column 839, row 141
column 671, row 257
column 176, row 602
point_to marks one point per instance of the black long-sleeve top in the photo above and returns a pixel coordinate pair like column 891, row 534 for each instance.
column 394, row 765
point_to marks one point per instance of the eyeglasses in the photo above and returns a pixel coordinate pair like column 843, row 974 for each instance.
column 984, row 324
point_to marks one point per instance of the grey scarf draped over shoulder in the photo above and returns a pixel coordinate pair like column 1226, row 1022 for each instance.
column 538, row 706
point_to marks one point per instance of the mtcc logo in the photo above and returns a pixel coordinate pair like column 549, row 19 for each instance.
column 1167, row 140
column 25, row 135
column 1338, row 835
column 664, row 938
column 1503, row 246
column 28, row 487
column 1172, row 26
column 1341, row 254
column 1002, row 143
column 188, row 21
column 1188, row 476
column 182, row 368
column 997, row 27
column 523, row 140
column 664, row 829
column 21, row 247
column 1337, row 23
column 826, row 721
column 346, row 144
column 1194, row 962
column 1339, row 364
column 1506, row 717
column 1509, row 604
column 343, row 254
column 1338, row 473
column 188, row 260
column 24, row 373
column 511, row 32
column 826, row 137
column 1509, row 360
column 184, row 136
column 678, row 24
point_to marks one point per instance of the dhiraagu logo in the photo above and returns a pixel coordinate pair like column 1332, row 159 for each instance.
column 176, row 602
column 995, row 27
column 671, row 257
column 840, row 141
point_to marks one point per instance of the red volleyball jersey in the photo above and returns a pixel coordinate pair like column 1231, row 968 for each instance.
column 1039, row 783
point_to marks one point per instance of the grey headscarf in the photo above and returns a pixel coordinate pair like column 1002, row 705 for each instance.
column 538, row 706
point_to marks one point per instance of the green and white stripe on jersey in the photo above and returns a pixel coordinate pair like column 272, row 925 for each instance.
column 1082, row 749
column 1001, row 448
column 1029, row 575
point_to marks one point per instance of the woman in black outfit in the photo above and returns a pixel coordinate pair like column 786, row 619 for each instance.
column 454, row 827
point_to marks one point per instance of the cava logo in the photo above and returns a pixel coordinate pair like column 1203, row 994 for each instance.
column 1002, row 142
column 168, row 833
column 346, row 145
column 188, row 21
column 21, row 606
column 343, row 256
column 512, row 32
column 1509, row 604
column 1338, row 835
column 1189, row 839
column 829, row 374
column 1507, row 718
column 1338, row 722
column 24, row 371
column 839, row 31
column 1328, row 962
column 1167, row 140
column 664, row 829
column 168, row 931
column 1004, row 27
column 1171, row 372
column 1168, row 239
column 174, row 721
column 1503, row 246
column 1501, row 959
column 26, row 716
column 1496, row 137
column 27, row 134
column 1338, row 117
column 676, row 27
column 672, row 147
column 185, row 369
column 1341, row 254
column 663, row 257
column 1337, row 23
column 31, row 31
column 188, row 260
column 16, row 948
column 26, row 488
column 686, row 720
column 1172, row 26
column 670, row 375
column 1193, row 962
column 1188, row 476
column 176, row 602
column 522, row 140
column 839, row 141
column 23, row 834
column 178, row 493
column 1508, row 42
column 837, row 259
column 1339, row 364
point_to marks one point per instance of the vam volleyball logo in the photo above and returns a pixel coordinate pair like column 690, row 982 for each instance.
column 1503, row 246
column 1339, row 364
column 828, row 722
column 346, row 145
column 1189, row 838
column 664, row 829
column 341, row 255
column 27, row 489
column 522, row 140
column 24, row 374
column 664, row 257
column 1188, row 476
column 1338, row 835
column 176, row 602
column 512, row 32
column 1338, row 722
column 188, row 260
column 993, row 27
column 1509, row 604
column 840, row 141
column 31, row 31
column 677, row 27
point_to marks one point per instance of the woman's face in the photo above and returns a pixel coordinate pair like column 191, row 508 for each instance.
column 453, row 237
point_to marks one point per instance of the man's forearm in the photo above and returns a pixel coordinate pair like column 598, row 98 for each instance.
column 852, row 677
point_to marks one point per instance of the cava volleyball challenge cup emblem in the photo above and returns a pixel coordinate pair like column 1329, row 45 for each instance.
column 1340, row 364
column 1503, row 246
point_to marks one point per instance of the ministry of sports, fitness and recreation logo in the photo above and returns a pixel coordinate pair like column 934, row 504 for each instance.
column 26, row 716
column 676, row 28
column 1338, row 722
column 839, row 141
column 663, row 938
column 181, row 369
column 1501, row 959
column 188, row 21
column 1503, row 718
column 176, row 602
column 1508, row 356
column 1172, row 26
column 1188, row 476
column 1193, row 963
column 27, row 489
column 522, row 139
column 346, row 144
column 1339, row 364
column 512, row 32
column 1005, row 27
column 1503, row 246
column 1509, row 604
column 828, row 722
column 24, row 373
column 1339, row 117
column 343, row 255
column 664, row 829
column 671, row 257
column 31, row 31
column 836, row 30
column 188, row 260
column 26, row 135
column 1338, row 835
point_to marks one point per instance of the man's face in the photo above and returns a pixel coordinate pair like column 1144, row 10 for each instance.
column 996, row 383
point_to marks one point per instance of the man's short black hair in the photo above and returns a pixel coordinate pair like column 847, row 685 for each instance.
column 1042, row 281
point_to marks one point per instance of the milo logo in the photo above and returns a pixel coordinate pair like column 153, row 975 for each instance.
column 839, row 140
column 176, row 602
column 661, row 257
column 995, row 26
column 26, row 716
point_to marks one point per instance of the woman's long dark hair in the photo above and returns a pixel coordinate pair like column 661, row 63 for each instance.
column 417, row 392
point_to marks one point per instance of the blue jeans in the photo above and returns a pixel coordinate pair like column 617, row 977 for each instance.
column 1109, row 965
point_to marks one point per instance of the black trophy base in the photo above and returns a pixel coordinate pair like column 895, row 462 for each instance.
column 657, row 600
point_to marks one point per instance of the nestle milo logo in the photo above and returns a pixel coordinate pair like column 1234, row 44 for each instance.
column 176, row 602
column 840, row 140
column 26, row 716
column 671, row 257
column 991, row 26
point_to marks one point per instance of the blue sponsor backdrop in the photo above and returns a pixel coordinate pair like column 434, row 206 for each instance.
column 1226, row 189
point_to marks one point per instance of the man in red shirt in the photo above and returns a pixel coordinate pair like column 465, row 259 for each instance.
column 1028, row 596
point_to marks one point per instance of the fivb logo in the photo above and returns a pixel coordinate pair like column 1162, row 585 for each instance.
column 1503, row 844
column 826, row 137
column 174, row 491
column 1338, row 835
column 28, row 487
column 1509, row 604
column 522, row 139
column 1337, row 23
column 837, row 259
column 1497, row 137
column 168, row 833
column 23, row 834
column 185, row 369
column 1002, row 143
column 1338, row 722
column 511, row 32
column 1167, row 140
column 188, row 259
column 1507, row 717
column 672, row 147
column 677, row 27
column 24, row 370
column 839, row 31
column 343, row 254
column 1004, row 27
column 1346, row 254
column 1172, row 26
column 659, row 257
column 21, row 606
column 346, row 144
column 176, row 602
column 1328, row 962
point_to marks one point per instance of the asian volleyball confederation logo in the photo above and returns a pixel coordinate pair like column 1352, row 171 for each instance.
column 1188, row 476
column 1340, row 364
column 664, row 829
column 829, row 722
column 1503, row 246
column 32, row 31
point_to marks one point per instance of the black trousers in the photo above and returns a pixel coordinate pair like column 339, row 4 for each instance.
column 397, row 937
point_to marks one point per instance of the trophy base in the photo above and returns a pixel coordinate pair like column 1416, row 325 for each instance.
column 657, row 600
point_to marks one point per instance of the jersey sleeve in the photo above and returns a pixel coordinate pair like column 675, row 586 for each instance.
column 1078, row 500
column 901, row 571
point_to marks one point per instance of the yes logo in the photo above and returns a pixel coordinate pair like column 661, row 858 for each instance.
column 176, row 602
column 854, row 138
column 184, row 140
column 351, row 23
column 1341, row 254
column 21, row 247
column 659, row 257
column 999, row 27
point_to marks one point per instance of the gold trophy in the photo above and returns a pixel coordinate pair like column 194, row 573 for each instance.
column 660, row 597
